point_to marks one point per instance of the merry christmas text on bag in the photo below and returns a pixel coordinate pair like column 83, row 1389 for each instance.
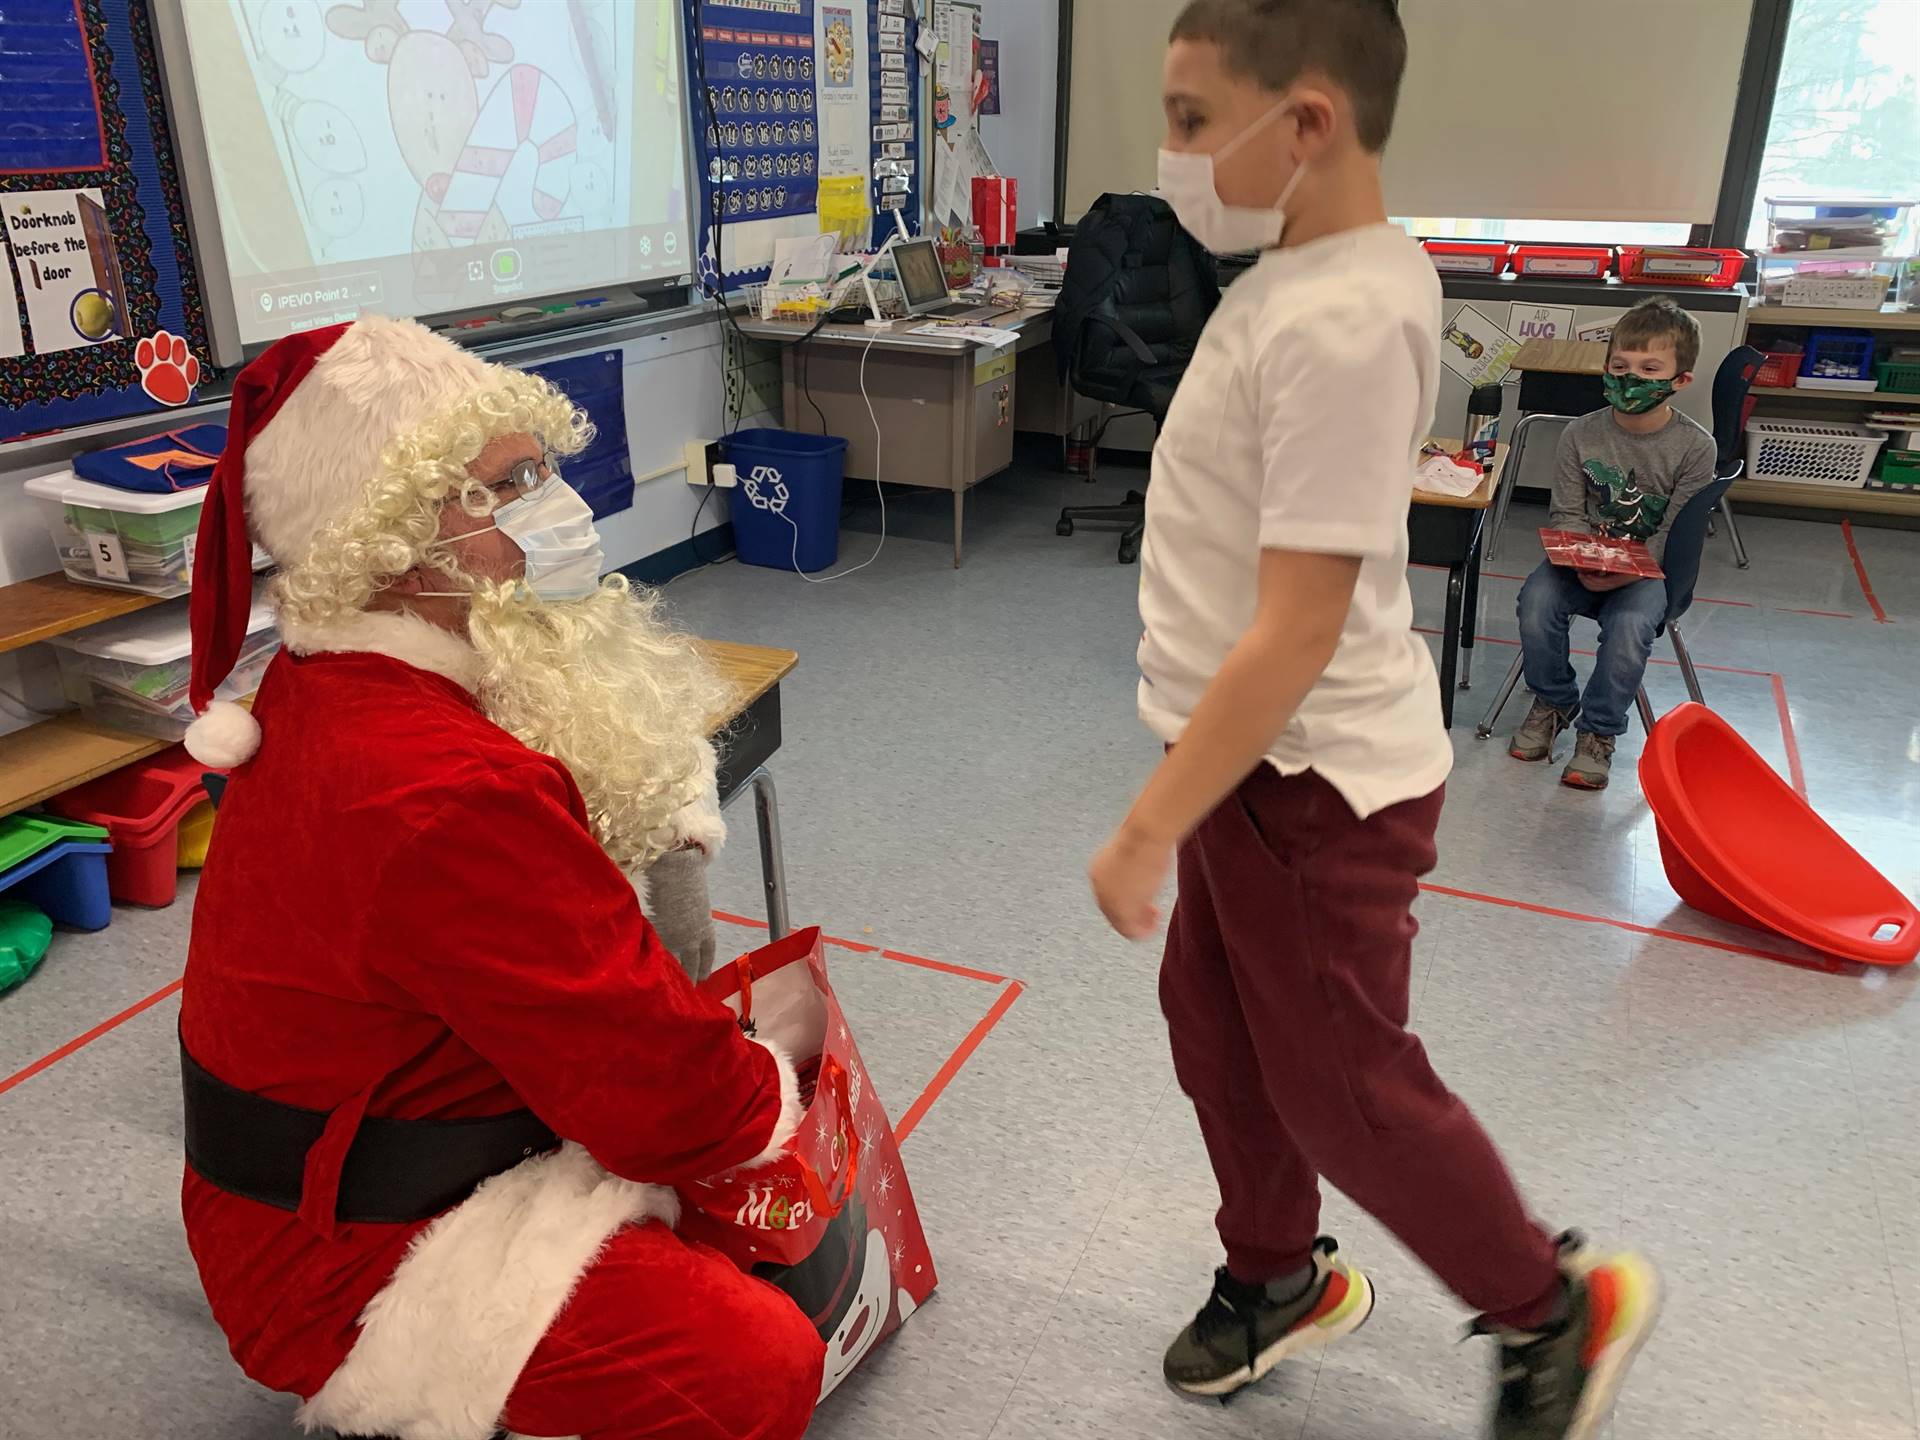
column 832, row 1222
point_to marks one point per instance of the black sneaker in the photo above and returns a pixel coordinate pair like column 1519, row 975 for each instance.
column 1560, row 1384
column 1243, row 1332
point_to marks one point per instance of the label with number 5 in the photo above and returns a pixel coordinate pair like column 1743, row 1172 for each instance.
column 109, row 560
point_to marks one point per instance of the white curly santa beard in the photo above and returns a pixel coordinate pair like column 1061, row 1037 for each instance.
column 606, row 688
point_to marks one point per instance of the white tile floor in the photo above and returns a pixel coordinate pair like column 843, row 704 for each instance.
column 957, row 742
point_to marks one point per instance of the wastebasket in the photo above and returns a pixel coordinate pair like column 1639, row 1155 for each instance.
column 786, row 504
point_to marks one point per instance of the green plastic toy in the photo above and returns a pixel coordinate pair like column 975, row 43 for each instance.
column 25, row 935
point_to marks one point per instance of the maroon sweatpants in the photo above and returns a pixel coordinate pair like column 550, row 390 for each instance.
column 1285, row 987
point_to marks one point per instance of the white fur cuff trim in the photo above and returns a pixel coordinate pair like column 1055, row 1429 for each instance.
column 701, row 823
column 442, row 1345
column 792, row 1113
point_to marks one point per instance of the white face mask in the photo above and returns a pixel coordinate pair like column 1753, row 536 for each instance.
column 553, row 527
column 1186, row 183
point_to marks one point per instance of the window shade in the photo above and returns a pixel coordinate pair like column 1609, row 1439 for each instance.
column 1521, row 109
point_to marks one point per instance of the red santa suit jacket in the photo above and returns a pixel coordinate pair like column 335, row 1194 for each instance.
column 405, row 914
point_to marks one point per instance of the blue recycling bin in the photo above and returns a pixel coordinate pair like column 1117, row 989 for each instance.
column 786, row 502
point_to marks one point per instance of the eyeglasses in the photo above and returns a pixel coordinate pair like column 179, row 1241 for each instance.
column 527, row 476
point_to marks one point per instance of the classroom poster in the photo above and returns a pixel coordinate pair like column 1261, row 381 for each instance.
column 990, row 69
column 1476, row 349
column 840, row 38
column 11, row 343
column 1600, row 329
column 1540, row 322
column 67, row 268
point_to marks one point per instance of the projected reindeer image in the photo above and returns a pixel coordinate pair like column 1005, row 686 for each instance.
column 433, row 100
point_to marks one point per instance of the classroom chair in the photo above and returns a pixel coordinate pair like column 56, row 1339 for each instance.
column 1688, row 538
column 1137, row 293
column 1538, row 386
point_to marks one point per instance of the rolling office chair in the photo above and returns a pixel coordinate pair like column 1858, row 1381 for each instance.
column 1546, row 396
column 1137, row 293
column 1688, row 537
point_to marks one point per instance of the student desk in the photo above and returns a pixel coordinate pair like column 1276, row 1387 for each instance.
column 747, row 731
column 1446, row 531
column 946, row 408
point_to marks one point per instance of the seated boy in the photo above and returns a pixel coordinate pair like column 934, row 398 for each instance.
column 1624, row 472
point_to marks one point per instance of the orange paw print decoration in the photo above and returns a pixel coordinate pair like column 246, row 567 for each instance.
column 167, row 371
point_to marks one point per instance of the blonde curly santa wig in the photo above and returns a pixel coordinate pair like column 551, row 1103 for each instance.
column 602, row 684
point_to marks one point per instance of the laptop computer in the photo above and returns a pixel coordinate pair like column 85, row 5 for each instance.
column 924, row 284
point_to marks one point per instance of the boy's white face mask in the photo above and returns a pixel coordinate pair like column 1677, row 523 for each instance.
column 1186, row 183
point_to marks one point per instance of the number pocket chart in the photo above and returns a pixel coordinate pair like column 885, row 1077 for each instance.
column 771, row 81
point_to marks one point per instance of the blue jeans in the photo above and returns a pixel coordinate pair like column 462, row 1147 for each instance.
column 1629, row 617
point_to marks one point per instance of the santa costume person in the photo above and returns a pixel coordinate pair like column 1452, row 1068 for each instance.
column 440, row 1071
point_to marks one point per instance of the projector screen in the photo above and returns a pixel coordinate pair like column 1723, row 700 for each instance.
column 426, row 157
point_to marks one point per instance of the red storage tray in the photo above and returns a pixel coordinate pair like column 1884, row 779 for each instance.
column 1468, row 257
column 1562, row 262
column 1710, row 269
column 142, row 806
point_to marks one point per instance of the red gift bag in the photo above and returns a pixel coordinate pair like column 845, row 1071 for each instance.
column 831, row 1222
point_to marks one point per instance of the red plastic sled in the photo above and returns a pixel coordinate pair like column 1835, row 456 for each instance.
column 1740, row 844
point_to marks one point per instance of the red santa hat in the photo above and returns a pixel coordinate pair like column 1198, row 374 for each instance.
column 307, row 423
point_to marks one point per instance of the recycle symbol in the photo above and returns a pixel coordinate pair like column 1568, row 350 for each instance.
column 766, row 490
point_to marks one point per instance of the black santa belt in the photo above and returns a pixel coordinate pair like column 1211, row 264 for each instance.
column 395, row 1172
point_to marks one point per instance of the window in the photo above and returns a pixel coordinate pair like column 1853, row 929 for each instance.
column 1846, row 112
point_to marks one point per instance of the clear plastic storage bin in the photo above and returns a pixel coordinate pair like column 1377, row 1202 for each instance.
column 1836, row 251
column 132, row 673
column 124, row 539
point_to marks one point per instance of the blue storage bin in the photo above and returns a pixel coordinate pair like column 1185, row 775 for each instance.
column 67, row 881
column 1838, row 355
column 786, row 506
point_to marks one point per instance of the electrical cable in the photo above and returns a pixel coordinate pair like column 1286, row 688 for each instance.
column 878, row 489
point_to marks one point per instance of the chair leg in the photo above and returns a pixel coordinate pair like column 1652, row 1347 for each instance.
column 1687, row 672
column 1510, row 476
column 1645, row 707
column 1733, row 535
column 1505, row 693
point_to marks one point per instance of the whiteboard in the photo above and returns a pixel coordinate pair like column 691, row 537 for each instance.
column 429, row 157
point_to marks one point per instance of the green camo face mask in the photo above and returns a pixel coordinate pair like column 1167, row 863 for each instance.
column 1633, row 395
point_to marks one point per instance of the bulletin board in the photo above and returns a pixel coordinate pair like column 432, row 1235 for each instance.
column 800, row 106
column 96, row 261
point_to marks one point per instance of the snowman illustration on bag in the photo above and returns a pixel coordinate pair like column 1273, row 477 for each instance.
column 846, row 1288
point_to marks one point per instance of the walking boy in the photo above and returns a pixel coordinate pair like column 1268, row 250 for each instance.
column 1304, row 777
column 1626, row 472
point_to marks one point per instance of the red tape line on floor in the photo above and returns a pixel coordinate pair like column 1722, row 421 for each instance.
column 54, row 1057
column 1794, row 771
column 1860, row 569
column 1802, row 962
column 936, row 1087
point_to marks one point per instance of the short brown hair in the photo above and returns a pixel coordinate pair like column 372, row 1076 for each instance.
column 1654, row 320
column 1358, row 44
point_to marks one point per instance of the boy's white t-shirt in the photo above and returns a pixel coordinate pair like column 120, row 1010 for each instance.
column 1296, row 427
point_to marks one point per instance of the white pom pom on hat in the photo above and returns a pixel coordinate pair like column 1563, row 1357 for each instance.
column 225, row 736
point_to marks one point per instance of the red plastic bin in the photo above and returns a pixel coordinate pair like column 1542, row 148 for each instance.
column 1740, row 844
column 1780, row 369
column 142, row 806
column 1468, row 257
column 1562, row 262
column 1707, row 267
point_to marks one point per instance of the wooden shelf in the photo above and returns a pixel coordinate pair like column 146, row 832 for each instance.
column 57, row 754
column 39, row 609
column 1828, row 497
column 1870, row 397
column 60, row 753
column 1843, row 319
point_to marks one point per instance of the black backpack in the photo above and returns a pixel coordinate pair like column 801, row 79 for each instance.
column 1138, row 291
